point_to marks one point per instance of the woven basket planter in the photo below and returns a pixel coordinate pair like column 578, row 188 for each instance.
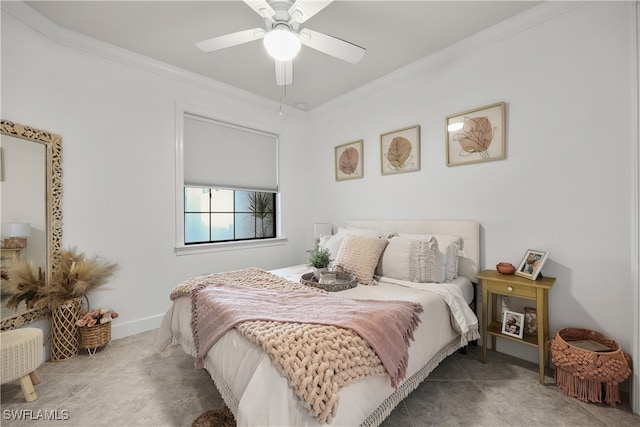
column 584, row 374
column 92, row 337
column 64, row 332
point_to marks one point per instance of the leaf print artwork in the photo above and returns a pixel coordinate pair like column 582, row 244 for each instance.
column 399, row 153
column 475, row 137
column 348, row 162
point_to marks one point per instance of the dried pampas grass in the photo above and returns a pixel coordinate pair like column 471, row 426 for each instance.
column 25, row 283
column 73, row 276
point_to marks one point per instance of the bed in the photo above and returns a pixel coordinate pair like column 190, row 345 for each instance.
column 254, row 386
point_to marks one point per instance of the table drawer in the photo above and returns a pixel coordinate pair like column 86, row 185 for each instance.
column 511, row 289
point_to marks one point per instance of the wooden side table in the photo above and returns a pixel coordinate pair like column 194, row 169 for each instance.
column 6, row 256
column 494, row 284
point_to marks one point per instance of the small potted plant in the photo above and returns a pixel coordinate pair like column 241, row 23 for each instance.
column 319, row 259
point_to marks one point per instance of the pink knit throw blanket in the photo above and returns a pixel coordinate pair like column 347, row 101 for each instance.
column 386, row 325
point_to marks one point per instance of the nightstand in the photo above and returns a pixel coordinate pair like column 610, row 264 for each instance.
column 494, row 284
column 10, row 253
column 6, row 257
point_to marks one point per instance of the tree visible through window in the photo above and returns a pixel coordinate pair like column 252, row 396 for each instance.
column 219, row 215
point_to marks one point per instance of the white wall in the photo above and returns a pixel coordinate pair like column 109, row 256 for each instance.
column 118, row 128
column 565, row 185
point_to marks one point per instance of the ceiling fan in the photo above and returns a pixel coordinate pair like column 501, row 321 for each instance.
column 283, row 35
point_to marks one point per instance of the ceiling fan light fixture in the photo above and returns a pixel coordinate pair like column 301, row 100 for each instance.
column 282, row 44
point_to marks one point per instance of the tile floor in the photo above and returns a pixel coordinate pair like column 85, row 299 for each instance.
column 129, row 384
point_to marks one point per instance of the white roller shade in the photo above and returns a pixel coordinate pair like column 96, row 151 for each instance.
column 223, row 155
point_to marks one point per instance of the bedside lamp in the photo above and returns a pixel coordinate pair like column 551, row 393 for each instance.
column 15, row 234
column 321, row 229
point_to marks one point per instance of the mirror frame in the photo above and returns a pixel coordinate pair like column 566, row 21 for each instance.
column 53, row 145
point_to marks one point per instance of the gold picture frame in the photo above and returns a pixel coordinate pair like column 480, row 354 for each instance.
column 476, row 135
column 400, row 151
column 349, row 160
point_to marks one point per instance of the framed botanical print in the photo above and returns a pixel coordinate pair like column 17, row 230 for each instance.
column 349, row 160
column 476, row 135
column 400, row 151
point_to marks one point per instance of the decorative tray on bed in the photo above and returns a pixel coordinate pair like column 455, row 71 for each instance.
column 342, row 281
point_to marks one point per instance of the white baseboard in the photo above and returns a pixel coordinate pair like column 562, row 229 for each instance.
column 122, row 330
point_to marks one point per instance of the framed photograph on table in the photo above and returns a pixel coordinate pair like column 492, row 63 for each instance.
column 513, row 324
column 531, row 264
column 400, row 151
column 476, row 135
column 349, row 160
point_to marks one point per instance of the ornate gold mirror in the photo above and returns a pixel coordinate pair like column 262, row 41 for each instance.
column 31, row 189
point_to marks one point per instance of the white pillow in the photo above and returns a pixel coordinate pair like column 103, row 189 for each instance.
column 452, row 245
column 448, row 244
column 413, row 260
column 332, row 243
column 369, row 232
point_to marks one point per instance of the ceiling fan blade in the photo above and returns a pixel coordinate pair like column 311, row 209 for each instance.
column 232, row 39
column 284, row 72
column 261, row 7
column 302, row 10
column 331, row 45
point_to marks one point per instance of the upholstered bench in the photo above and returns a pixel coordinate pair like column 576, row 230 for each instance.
column 21, row 355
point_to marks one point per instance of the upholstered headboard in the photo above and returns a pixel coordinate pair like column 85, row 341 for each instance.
column 468, row 230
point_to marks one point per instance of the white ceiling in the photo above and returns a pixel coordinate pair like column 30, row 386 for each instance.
column 395, row 34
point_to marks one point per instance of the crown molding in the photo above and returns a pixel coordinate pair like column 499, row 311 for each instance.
column 541, row 13
column 546, row 11
column 28, row 16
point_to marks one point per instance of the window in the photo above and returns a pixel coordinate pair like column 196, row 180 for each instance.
column 218, row 215
column 230, row 186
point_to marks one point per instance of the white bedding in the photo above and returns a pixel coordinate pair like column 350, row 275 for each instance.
column 463, row 285
column 259, row 395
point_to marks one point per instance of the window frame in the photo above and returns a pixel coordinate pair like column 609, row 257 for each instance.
column 181, row 248
column 234, row 212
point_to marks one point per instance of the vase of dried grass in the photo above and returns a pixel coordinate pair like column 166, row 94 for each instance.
column 64, row 332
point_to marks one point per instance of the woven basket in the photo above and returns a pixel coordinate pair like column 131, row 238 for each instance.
column 584, row 373
column 92, row 337
column 343, row 281
column 64, row 332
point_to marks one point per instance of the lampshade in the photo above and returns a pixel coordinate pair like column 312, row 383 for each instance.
column 321, row 229
column 282, row 44
column 16, row 229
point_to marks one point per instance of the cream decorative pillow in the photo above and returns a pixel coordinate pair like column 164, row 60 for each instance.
column 333, row 242
column 449, row 246
column 424, row 262
column 412, row 260
column 359, row 255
